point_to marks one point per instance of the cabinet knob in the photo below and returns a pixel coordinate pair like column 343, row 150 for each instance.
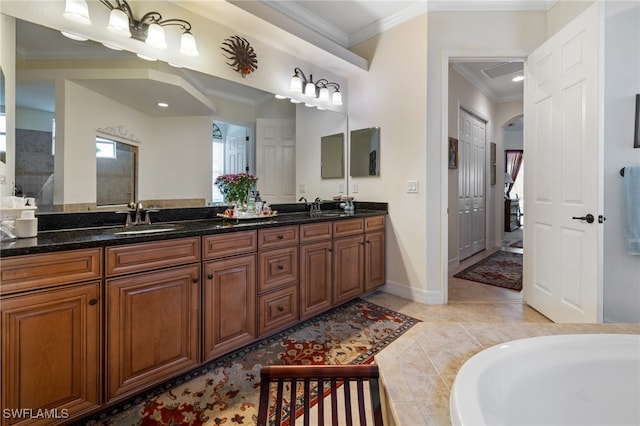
column 93, row 301
column 280, row 237
column 210, row 276
column 280, row 308
column 195, row 279
column 280, row 267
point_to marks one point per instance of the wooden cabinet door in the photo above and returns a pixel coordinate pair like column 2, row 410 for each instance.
column 229, row 304
column 374, row 260
column 152, row 328
column 51, row 346
column 315, row 278
column 348, row 271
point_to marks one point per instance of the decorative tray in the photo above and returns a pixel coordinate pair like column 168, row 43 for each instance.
column 245, row 216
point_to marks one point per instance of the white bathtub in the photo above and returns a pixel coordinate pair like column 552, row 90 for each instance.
column 583, row 379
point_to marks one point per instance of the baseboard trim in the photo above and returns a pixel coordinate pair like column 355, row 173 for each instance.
column 428, row 297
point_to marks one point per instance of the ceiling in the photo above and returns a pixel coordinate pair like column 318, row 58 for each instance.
column 344, row 22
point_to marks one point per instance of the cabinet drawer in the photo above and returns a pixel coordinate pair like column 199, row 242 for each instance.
column 342, row 228
column 278, row 309
column 374, row 223
column 35, row 271
column 277, row 237
column 311, row 232
column 277, row 268
column 229, row 244
column 147, row 256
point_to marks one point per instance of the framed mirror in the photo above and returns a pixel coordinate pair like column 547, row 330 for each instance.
column 3, row 120
column 331, row 156
column 365, row 152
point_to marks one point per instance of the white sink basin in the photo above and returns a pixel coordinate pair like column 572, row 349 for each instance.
column 144, row 231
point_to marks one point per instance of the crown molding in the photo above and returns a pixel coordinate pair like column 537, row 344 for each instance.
column 410, row 12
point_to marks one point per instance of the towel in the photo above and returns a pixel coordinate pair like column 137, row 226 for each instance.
column 632, row 209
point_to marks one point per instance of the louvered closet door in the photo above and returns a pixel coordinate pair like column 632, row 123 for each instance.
column 471, row 185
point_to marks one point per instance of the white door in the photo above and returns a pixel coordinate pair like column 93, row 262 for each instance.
column 562, row 254
column 471, row 181
column 276, row 160
column 236, row 153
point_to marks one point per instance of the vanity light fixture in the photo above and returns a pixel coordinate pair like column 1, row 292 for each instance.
column 517, row 78
column 318, row 90
column 149, row 28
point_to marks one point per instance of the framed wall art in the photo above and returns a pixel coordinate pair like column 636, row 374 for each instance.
column 453, row 153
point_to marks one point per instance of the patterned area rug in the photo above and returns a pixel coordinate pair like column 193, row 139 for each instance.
column 226, row 391
column 517, row 244
column 501, row 269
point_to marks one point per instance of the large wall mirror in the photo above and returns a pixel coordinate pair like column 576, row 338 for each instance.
column 365, row 152
column 68, row 93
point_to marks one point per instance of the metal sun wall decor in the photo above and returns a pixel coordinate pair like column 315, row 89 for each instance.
column 243, row 58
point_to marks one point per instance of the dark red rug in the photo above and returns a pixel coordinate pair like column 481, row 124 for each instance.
column 501, row 269
column 226, row 391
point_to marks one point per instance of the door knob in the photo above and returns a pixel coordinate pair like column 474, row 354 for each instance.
column 589, row 218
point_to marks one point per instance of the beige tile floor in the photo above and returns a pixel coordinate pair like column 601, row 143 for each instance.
column 418, row 369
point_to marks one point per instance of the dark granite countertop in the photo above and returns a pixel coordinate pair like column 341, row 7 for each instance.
column 88, row 237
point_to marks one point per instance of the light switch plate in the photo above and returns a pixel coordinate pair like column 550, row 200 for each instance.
column 354, row 187
column 302, row 188
column 412, row 187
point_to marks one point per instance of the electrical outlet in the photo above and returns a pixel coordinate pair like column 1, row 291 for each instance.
column 354, row 187
column 341, row 188
column 3, row 180
column 412, row 186
column 302, row 188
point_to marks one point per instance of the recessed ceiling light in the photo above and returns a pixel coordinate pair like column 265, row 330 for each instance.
column 518, row 78
column 163, row 105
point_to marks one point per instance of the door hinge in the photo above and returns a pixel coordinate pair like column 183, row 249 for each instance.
column 601, row 219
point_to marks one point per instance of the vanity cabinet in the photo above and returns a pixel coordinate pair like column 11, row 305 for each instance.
column 51, row 316
column 348, row 260
column 316, row 248
column 358, row 257
column 152, row 314
column 374, row 253
column 278, row 279
column 229, row 292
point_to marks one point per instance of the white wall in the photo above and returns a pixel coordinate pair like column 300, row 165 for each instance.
column 622, row 82
column 393, row 96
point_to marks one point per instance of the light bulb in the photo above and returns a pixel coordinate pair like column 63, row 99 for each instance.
column 296, row 84
column 337, row 98
column 188, row 45
column 155, row 36
column 119, row 23
column 74, row 36
column 324, row 94
column 77, row 11
column 310, row 89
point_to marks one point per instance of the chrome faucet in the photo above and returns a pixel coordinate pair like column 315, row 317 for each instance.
column 303, row 199
column 315, row 207
column 137, row 210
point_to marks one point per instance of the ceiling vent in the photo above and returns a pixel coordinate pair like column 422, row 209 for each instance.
column 504, row 68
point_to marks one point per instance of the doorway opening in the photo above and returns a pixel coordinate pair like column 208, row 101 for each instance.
column 498, row 112
column 233, row 152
